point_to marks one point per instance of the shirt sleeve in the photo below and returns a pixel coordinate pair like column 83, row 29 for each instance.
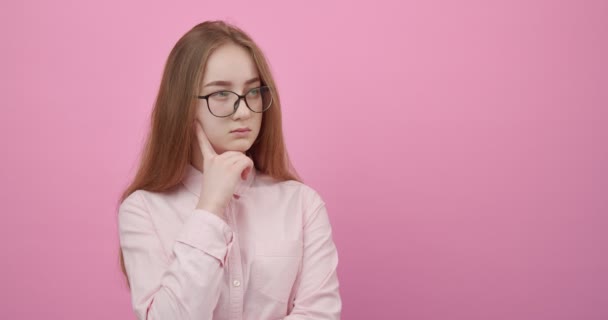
column 317, row 295
column 185, row 287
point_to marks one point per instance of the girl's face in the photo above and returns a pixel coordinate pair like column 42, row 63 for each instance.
column 230, row 67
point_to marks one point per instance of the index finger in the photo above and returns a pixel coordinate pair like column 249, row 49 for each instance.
column 203, row 141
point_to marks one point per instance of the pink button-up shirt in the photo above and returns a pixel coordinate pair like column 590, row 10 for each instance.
column 272, row 258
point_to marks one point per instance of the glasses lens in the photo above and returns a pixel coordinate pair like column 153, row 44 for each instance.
column 222, row 103
column 259, row 99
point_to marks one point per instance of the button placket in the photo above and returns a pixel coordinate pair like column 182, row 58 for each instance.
column 236, row 272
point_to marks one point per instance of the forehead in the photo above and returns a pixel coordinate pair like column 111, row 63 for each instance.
column 230, row 62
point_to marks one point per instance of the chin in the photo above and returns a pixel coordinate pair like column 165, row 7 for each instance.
column 241, row 146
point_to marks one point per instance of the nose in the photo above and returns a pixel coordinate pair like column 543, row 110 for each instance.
column 242, row 111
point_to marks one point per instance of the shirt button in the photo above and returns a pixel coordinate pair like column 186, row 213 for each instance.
column 236, row 283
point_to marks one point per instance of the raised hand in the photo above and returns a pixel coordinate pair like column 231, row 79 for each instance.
column 221, row 174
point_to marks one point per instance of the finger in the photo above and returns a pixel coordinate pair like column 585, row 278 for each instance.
column 228, row 160
column 244, row 166
column 232, row 159
column 206, row 147
column 245, row 173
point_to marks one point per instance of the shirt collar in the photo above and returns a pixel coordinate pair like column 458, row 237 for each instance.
column 193, row 181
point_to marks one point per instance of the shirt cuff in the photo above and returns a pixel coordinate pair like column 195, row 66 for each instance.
column 208, row 233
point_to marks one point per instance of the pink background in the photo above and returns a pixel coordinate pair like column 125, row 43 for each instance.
column 461, row 147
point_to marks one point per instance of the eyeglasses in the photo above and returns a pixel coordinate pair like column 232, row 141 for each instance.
column 225, row 103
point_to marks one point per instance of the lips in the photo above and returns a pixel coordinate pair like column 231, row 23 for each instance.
column 241, row 130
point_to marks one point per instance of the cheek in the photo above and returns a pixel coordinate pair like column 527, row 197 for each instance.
column 214, row 132
column 258, row 123
column 206, row 119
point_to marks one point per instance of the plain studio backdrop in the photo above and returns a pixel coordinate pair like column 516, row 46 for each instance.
column 460, row 146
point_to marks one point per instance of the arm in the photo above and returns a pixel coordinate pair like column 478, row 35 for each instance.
column 317, row 295
column 187, row 287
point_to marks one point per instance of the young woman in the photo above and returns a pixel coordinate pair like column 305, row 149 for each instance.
column 216, row 224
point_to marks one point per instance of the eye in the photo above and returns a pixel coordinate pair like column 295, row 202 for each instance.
column 254, row 92
column 220, row 95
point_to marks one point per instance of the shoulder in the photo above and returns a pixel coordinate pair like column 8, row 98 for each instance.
column 133, row 199
column 148, row 207
column 154, row 199
column 133, row 205
column 137, row 198
column 139, row 202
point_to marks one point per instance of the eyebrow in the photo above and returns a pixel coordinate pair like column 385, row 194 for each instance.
column 228, row 83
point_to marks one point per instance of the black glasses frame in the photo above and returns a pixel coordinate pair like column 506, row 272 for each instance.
column 238, row 101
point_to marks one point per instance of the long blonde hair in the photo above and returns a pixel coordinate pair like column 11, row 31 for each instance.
column 168, row 147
